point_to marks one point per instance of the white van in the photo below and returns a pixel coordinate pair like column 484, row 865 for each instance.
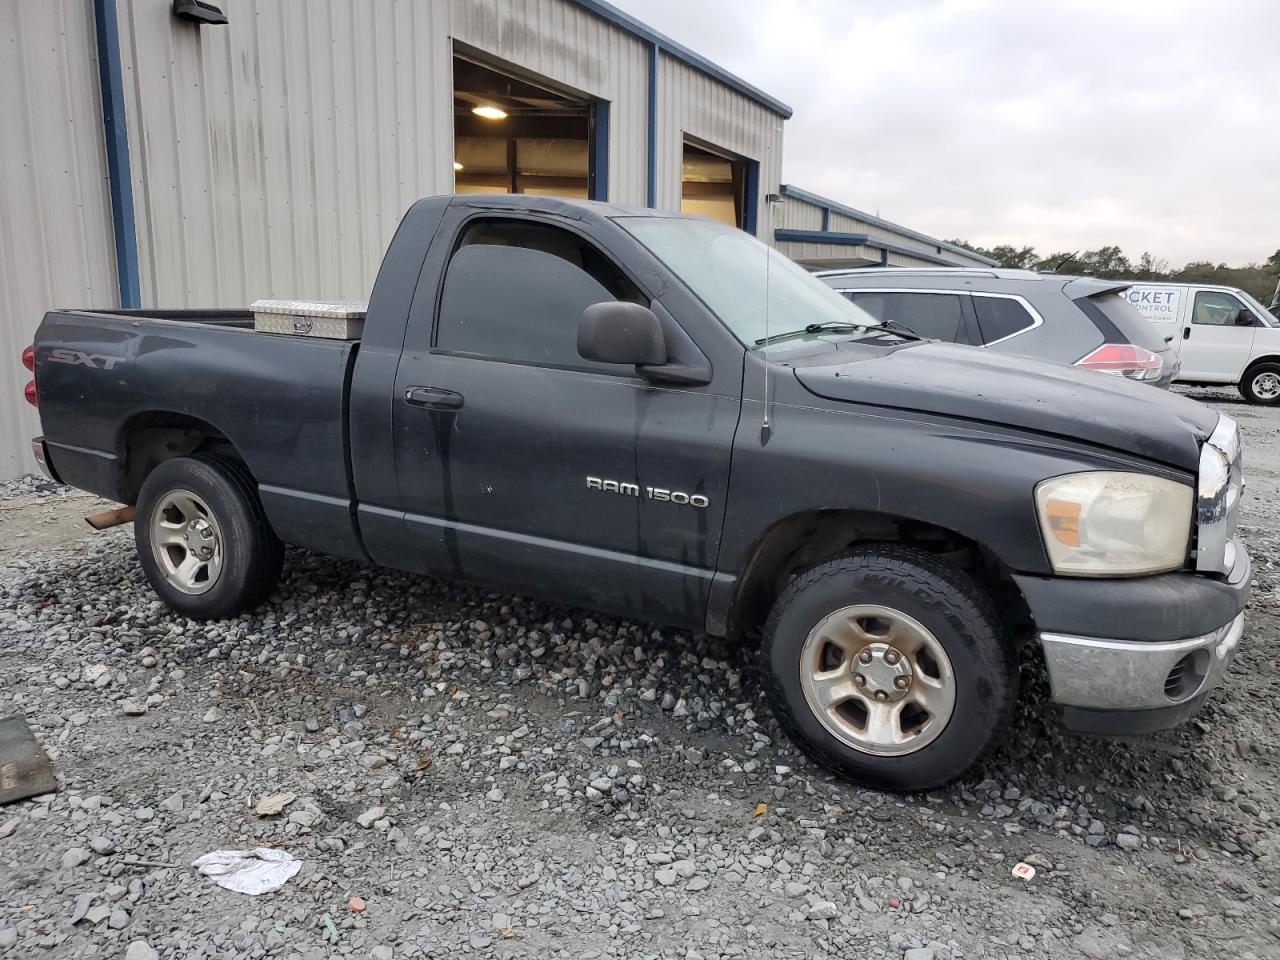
column 1221, row 335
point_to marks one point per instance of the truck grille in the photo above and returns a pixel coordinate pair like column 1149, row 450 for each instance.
column 1219, row 488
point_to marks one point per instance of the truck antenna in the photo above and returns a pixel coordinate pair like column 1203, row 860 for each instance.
column 772, row 201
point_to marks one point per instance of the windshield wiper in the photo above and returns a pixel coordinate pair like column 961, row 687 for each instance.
column 838, row 326
column 900, row 328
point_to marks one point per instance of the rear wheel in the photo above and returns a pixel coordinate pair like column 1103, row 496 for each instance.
column 888, row 666
column 203, row 539
column 1261, row 384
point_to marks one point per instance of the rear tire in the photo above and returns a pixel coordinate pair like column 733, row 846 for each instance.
column 1261, row 384
column 203, row 538
column 889, row 666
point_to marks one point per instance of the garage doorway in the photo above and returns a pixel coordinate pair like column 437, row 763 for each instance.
column 718, row 185
column 512, row 134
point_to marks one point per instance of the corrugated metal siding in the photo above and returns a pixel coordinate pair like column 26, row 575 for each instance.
column 56, row 247
column 799, row 215
column 843, row 223
column 562, row 42
column 274, row 156
column 691, row 103
column 815, row 254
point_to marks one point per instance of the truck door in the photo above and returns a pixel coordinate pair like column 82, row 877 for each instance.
column 525, row 466
column 1216, row 344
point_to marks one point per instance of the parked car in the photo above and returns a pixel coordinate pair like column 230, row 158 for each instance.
column 1222, row 335
column 1074, row 320
column 659, row 417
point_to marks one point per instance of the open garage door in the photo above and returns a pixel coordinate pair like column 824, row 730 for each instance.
column 718, row 185
column 513, row 135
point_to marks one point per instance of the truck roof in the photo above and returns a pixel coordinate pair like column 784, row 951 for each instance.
column 561, row 206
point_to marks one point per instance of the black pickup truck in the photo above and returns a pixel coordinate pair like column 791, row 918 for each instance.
column 658, row 417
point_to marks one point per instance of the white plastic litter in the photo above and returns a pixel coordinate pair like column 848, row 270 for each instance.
column 255, row 871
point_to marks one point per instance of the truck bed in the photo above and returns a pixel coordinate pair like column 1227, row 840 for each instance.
column 206, row 317
column 279, row 400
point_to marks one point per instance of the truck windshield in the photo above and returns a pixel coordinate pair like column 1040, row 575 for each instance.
column 730, row 271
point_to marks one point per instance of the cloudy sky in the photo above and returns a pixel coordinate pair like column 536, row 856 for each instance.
column 1066, row 125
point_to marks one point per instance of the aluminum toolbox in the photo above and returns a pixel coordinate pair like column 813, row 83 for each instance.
column 333, row 320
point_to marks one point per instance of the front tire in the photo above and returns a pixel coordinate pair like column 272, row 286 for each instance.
column 889, row 666
column 1261, row 384
column 203, row 538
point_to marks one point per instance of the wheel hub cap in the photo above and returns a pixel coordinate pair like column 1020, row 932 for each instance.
column 1266, row 385
column 877, row 679
column 199, row 538
column 882, row 673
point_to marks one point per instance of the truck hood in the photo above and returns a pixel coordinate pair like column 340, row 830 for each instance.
column 959, row 381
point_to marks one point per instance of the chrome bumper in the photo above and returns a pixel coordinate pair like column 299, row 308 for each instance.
column 1103, row 674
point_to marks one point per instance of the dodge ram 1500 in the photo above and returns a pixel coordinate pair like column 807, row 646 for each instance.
column 658, row 417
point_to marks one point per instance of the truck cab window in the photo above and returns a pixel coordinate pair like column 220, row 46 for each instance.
column 515, row 291
column 1216, row 309
column 936, row 315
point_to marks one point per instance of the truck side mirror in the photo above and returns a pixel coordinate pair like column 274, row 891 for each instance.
column 620, row 332
column 1245, row 318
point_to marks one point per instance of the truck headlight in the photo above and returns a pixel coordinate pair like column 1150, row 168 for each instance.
column 1113, row 524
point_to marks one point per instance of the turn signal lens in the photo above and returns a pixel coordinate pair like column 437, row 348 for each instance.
column 1124, row 359
column 1062, row 517
column 29, row 359
column 29, row 391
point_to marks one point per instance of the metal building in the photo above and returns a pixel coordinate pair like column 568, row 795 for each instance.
column 822, row 234
column 151, row 159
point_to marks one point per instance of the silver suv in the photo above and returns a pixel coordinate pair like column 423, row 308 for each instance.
column 1076, row 320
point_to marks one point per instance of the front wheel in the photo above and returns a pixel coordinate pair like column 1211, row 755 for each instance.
column 203, row 539
column 1261, row 384
column 888, row 666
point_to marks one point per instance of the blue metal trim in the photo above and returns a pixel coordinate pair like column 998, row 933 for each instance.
column 835, row 238
column 651, row 173
column 116, row 126
column 600, row 150
column 751, row 200
column 830, row 206
column 607, row 11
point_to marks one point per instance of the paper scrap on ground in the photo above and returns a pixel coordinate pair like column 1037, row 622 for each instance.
column 255, row 871
column 271, row 805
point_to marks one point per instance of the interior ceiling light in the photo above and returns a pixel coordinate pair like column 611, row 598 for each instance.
column 456, row 166
column 489, row 112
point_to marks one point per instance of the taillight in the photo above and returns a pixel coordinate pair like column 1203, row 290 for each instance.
column 1123, row 359
column 29, row 361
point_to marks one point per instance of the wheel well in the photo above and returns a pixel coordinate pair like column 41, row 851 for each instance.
column 149, row 439
column 1257, row 363
column 803, row 540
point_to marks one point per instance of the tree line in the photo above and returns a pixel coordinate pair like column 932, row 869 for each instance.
column 1110, row 263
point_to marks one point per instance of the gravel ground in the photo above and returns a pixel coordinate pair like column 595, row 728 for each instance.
column 496, row 777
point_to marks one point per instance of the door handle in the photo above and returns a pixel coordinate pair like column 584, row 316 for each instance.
column 433, row 398
column 1186, row 333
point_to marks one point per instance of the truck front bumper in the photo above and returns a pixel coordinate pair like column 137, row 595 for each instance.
column 1135, row 656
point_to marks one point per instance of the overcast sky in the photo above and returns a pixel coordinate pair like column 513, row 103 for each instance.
column 1065, row 125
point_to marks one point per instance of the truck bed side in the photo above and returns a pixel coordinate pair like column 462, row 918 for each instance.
column 120, row 391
